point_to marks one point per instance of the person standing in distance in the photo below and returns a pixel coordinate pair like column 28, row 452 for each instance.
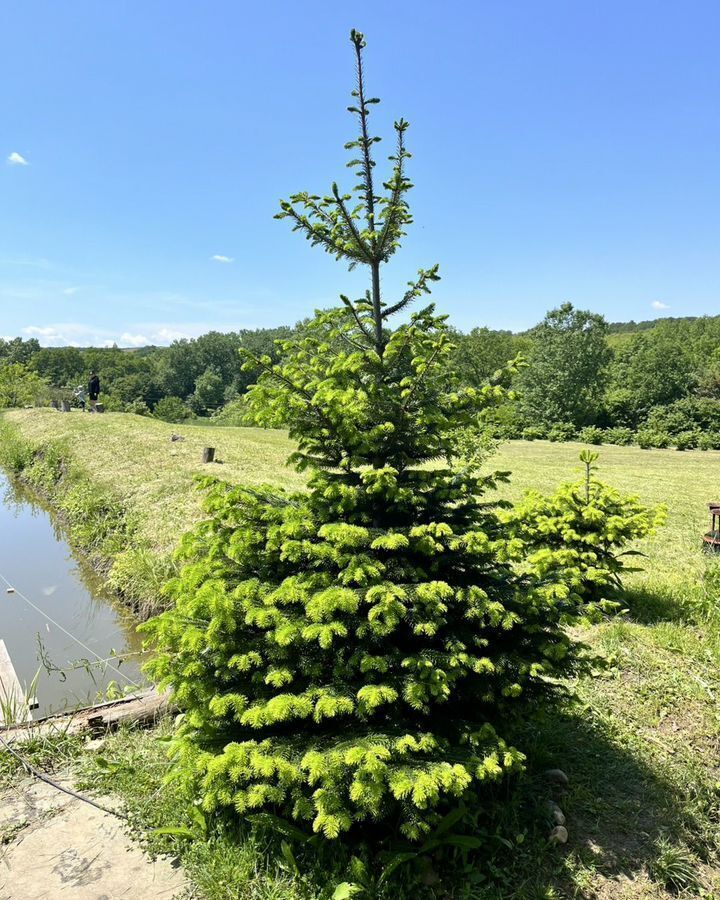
column 93, row 390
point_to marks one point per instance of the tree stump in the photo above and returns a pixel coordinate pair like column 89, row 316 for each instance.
column 65, row 405
column 55, row 404
column 208, row 455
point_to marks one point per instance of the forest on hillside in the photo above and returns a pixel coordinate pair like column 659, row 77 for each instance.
column 655, row 383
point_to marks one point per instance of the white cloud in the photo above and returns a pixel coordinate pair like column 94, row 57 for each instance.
column 70, row 291
column 657, row 304
column 166, row 335
column 133, row 340
column 70, row 334
column 78, row 334
column 16, row 160
column 218, row 257
column 37, row 331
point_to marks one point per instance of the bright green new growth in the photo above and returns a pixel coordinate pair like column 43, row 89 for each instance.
column 348, row 656
column 580, row 534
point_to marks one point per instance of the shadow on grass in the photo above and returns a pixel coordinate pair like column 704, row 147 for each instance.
column 620, row 812
column 662, row 603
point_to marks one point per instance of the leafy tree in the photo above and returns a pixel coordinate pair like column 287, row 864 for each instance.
column 180, row 366
column 567, row 364
column 171, row 409
column 482, row 351
column 258, row 342
column 653, row 369
column 17, row 350
column 209, row 393
column 60, row 366
column 234, row 413
column 130, row 388
column 687, row 414
column 20, row 387
column 348, row 655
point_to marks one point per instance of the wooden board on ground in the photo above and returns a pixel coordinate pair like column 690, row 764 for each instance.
column 14, row 707
column 140, row 709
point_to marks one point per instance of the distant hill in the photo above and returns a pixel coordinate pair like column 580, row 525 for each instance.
column 647, row 324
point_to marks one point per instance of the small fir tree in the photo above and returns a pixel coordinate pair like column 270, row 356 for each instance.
column 350, row 654
column 581, row 534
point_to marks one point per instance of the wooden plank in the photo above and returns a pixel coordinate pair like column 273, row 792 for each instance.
column 12, row 697
column 141, row 709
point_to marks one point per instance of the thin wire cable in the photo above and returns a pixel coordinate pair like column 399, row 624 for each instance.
column 68, row 633
column 33, row 771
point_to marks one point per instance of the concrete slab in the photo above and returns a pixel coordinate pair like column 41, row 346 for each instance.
column 12, row 697
column 53, row 846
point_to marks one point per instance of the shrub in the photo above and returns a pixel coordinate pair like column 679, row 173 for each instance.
column 534, row 433
column 705, row 442
column 561, row 431
column 234, row 413
column 349, row 656
column 687, row 414
column 647, row 439
column 686, row 440
column 619, row 435
column 21, row 387
column 112, row 403
column 591, row 434
column 580, row 534
column 503, row 420
column 171, row 409
column 138, row 407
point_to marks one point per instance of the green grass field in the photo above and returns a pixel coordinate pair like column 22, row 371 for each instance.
column 135, row 457
column 640, row 744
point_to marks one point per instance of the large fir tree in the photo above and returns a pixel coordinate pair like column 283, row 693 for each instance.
column 351, row 654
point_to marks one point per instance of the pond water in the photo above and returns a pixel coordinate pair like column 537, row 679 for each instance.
column 69, row 600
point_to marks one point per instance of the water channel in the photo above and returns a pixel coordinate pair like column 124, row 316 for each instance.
column 70, row 600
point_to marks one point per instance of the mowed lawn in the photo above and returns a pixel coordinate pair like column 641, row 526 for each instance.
column 135, row 457
column 640, row 743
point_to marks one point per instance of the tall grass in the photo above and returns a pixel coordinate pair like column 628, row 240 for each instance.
column 14, row 707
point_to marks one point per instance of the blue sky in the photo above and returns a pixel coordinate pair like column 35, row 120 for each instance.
column 563, row 150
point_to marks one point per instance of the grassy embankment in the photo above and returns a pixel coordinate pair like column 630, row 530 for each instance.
column 641, row 744
column 125, row 490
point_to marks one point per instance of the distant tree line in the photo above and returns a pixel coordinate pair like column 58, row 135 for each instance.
column 191, row 377
column 585, row 379
column 657, row 383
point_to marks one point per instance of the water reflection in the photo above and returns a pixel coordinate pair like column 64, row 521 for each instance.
column 64, row 597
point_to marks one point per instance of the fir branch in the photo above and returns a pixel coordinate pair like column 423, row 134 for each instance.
column 416, row 289
column 358, row 41
column 351, row 225
column 397, row 188
column 421, row 377
column 361, row 325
